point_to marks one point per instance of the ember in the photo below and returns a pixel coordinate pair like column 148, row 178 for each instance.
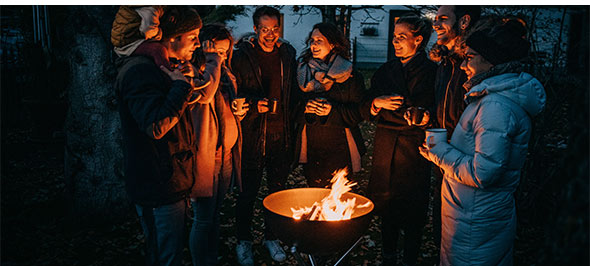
column 331, row 208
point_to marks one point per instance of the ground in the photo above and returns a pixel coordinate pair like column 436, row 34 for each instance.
column 37, row 228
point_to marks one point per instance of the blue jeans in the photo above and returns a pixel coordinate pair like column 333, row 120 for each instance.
column 204, row 236
column 163, row 228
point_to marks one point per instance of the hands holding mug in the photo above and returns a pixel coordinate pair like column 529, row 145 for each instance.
column 432, row 138
column 239, row 106
column 318, row 106
column 266, row 105
column 417, row 116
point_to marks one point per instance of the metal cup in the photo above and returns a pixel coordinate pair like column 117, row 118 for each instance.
column 272, row 106
column 238, row 104
column 417, row 113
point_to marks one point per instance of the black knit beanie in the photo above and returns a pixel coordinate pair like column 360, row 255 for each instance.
column 178, row 20
column 500, row 44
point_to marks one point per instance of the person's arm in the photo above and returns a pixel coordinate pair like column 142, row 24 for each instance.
column 154, row 110
column 492, row 126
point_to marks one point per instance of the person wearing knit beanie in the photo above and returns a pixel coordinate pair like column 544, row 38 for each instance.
column 500, row 44
column 494, row 46
column 178, row 20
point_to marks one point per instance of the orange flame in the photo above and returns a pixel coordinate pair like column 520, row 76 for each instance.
column 331, row 208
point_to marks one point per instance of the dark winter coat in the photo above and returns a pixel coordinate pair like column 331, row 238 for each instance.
column 326, row 138
column 449, row 93
column 398, row 169
column 246, row 68
column 158, row 137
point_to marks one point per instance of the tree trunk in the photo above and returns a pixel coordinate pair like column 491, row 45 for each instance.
column 93, row 156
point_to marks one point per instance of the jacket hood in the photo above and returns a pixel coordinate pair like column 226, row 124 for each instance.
column 521, row 88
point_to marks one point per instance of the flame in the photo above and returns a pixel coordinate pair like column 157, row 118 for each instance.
column 331, row 208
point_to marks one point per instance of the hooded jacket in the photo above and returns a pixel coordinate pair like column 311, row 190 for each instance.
column 246, row 68
column 158, row 137
column 482, row 167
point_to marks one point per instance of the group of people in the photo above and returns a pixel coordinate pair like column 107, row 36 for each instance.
column 202, row 114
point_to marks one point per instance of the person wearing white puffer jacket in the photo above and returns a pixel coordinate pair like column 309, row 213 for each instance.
column 483, row 161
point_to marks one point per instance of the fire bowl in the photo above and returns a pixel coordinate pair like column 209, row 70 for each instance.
column 314, row 237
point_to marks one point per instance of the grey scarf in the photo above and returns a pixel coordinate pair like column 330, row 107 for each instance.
column 509, row 67
column 317, row 75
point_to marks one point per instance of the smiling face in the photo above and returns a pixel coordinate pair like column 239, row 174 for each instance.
column 404, row 41
column 474, row 64
column 444, row 25
column 183, row 46
column 222, row 48
column 267, row 31
column 320, row 46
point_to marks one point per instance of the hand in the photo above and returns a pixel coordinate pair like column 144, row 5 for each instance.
column 425, row 118
column 389, row 102
column 425, row 152
column 263, row 106
column 174, row 75
column 245, row 109
column 208, row 47
column 187, row 69
column 318, row 106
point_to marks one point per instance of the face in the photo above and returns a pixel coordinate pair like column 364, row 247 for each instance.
column 222, row 48
column 474, row 64
column 267, row 31
column 404, row 42
column 444, row 23
column 319, row 45
column 183, row 46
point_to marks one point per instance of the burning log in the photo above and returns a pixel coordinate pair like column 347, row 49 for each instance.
column 331, row 208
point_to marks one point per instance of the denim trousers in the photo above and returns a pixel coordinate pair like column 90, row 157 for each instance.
column 163, row 228
column 204, row 235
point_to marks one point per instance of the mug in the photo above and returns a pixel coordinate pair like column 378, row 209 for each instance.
column 435, row 136
column 238, row 104
column 272, row 106
column 416, row 113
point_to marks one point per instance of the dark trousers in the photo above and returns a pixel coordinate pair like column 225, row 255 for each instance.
column 163, row 228
column 277, row 162
column 204, row 236
column 401, row 178
column 408, row 216
column 436, row 207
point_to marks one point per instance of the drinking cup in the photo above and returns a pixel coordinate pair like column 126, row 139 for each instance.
column 435, row 136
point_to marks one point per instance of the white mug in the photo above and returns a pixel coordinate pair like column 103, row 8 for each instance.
column 435, row 136
column 238, row 104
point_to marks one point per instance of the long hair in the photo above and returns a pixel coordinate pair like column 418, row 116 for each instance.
column 215, row 32
column 419, row 26
column 333, row 35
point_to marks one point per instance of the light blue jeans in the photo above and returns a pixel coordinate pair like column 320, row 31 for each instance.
column 163, row 228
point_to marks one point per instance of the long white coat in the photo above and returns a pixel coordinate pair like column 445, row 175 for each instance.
column 482, row 166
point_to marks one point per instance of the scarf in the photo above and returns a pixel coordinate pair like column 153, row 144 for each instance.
column 318, row 76
column 509, row 67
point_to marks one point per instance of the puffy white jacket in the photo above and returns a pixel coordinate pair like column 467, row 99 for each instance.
column 482, row 166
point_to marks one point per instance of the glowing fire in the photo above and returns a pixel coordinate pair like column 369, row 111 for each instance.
column 331, row 208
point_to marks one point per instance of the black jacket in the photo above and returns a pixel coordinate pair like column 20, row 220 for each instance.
column 399, row 171
column 246, row 68
column 413, row 82
column 449, row 93
column 158, row 137
column 326, row 135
